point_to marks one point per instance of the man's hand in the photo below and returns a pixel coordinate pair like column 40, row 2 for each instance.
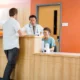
column 21, row 33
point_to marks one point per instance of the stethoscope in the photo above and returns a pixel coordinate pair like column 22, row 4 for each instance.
column 32, row 30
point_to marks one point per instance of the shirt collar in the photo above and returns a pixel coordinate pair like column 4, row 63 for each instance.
column 12, row 18
column 30, row 25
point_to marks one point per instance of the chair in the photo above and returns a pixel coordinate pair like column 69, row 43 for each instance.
column 55, row 49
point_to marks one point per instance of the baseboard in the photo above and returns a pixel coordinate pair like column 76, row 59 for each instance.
column 0, row 78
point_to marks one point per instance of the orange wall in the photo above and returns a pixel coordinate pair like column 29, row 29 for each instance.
column 70, row 36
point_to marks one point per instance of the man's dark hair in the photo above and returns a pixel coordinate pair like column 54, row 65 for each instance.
column 13, row 11
column 47, row 29
column 32, row 16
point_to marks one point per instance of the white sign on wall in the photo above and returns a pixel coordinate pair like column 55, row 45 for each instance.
column 65, row 24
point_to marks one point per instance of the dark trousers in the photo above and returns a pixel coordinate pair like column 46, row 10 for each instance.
column 11, row 55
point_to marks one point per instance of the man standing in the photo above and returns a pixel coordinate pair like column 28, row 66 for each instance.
column 33, row 28
column 11, row 29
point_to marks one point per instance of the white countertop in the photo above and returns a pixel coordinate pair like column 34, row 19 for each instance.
column 59, row 54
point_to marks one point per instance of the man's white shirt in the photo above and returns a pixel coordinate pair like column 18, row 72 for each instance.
column 29, row 29
column 10, row 37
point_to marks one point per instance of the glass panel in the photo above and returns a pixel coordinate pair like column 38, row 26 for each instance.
column 55, row 22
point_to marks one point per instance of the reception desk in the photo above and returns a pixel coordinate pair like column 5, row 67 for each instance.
column 3, row 59
column 56, row 66
column 34, row 65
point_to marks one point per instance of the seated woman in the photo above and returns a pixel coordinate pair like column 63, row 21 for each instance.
column 48, row 39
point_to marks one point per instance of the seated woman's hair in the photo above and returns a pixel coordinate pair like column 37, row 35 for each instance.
column 47, row 29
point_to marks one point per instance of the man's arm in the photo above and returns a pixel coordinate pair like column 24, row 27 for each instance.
column 25, row 29
column 21, row 33
column 41, row 32
column 18, row 30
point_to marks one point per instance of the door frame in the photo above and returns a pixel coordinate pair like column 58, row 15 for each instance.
column 53, row 4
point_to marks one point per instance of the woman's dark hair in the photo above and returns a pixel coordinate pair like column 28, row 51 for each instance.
column 13, row 11
column 47, row 29
column 32, row 16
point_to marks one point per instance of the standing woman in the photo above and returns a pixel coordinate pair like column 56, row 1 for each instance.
column 11, row 41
